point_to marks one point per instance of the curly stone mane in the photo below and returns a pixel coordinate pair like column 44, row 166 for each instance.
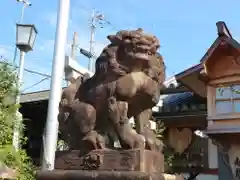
column 127, row 50
column 158, row 66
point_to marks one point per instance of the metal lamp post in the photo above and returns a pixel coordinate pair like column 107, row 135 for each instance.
column 25, row 39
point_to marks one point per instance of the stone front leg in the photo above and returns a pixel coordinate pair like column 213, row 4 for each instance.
column 128, row 138
column 143, row 127
column 83, row 122
column 142, row 121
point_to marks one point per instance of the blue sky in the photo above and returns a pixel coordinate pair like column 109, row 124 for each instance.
column 185, row 28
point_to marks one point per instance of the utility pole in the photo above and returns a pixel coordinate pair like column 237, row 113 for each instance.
column 96, row 17
column 92, row 31
column 51, row 130
column 73, row 53
column 74, row 45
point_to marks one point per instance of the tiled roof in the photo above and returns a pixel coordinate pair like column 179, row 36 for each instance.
column 180, row 102
column 175, row 99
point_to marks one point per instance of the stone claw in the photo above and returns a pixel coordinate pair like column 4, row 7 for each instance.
column 95, row 140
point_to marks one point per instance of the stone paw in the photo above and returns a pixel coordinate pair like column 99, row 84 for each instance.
column 95, row 140
column 139, row 141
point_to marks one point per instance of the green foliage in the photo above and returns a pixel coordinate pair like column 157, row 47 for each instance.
column 169, row 158
column 62, row 145
column 17, row 160
column 159, row 131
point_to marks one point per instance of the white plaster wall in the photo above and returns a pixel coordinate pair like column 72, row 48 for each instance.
column 212, row 155
column 204, row 177
column 153, row 124
column 75, row 69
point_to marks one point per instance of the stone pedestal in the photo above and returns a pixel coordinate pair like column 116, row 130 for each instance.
column 111, row 160
column 107, row 164
column 102, row 175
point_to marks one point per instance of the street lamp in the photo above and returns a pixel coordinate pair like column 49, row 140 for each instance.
column 26, row 35
column 25, row 39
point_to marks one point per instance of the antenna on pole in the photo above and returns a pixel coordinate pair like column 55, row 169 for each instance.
column 74, row 45
column 97, row 17
column 26, row 3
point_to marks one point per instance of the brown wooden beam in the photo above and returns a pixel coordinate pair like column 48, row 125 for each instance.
column 223, row 29
column 191, row 121
column 174, row 90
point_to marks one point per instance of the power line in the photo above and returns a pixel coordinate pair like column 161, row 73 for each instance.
column 35, row 84
column 97, row 18
column 104, row 20
column 46, row 76
column 84, row 8
column 27, row 70
column 110, row 24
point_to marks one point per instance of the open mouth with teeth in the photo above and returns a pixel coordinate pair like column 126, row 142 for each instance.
column 141, row 52
column 139, row 56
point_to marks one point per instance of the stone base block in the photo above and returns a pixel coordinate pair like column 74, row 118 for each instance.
column 111, row 160
column 102, row 175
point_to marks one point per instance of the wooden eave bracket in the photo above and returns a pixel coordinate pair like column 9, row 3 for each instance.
column 203, row 76
column 224, row 36
column 223, row 29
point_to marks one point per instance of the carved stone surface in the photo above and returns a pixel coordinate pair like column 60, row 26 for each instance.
column 129, row 75
column 111, row 160
column 95, row 175
column 103, row 175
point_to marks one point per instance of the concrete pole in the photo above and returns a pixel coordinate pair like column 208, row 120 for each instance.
column 73, row 52
column 91, row 50
column 74, row 46
column 18, row 120
column 51, row 131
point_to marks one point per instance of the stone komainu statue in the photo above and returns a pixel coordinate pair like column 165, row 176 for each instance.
column 127, row 82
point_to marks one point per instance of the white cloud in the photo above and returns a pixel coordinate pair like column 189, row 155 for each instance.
column 34, row 82
column 46, row 46
column 6, row 51
column 3, row 51
column 79, row 21
column 50, row 18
